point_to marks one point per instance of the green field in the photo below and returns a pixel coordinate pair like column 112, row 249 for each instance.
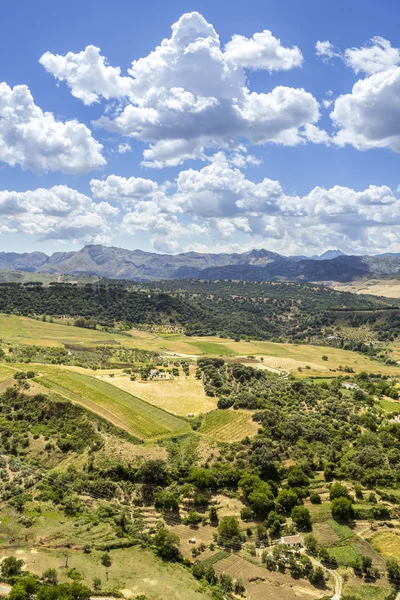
column 119, row 407
column 346, row 555
column 367, row 592
column 389, row 405
column 228, row 425
column 214, row 348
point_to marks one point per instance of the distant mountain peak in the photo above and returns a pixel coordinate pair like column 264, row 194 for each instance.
column 330, row 254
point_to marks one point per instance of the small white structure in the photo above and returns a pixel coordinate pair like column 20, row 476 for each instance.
column 190, row 415
column 350, row 386
column 192, row 541
column 293, row 541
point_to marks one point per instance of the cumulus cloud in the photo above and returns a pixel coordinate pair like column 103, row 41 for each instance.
column 59, row 213
column 217, row 206
column 126, row 190
column 189, row 94
column 378, row 56
column 262, row 51
column 87, row 74
column 369, row 117
column 36, row 140
column 375, row 56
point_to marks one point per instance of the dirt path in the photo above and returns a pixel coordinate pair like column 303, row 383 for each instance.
column 336, row 578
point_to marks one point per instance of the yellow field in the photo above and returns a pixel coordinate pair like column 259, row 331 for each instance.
column 178, row 396
column 389, row 288
column 387, row 543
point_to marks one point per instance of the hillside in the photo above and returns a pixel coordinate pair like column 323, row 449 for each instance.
column 270, row 311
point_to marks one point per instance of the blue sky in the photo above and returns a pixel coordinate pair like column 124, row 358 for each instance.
column 238, row 132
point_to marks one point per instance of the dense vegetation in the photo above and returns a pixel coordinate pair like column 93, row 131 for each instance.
column 270, row 311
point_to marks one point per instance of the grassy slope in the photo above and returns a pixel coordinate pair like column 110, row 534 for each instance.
column 121, row 408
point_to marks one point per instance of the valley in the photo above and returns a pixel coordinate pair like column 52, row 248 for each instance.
column 140, row 458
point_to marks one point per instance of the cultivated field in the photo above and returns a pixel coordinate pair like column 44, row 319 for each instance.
column 228, row 425
column 262, row 584
column 117, row 406
column 178, row 396
column 387, row 543
column 389, row 288
column 23, row 330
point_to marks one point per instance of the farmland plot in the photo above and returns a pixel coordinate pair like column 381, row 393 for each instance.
column 122, row 409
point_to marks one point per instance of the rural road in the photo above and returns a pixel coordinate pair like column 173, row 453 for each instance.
column 337, row 579
column 5, row 590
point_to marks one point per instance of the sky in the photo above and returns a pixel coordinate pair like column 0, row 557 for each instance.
column 200, row 125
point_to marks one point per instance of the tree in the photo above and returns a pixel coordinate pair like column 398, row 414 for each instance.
column 213, row 514
column 229, row 531
column 226, row 582
column 261, row 500
column 324, row 555
column 154, row 471
column 238, row 587
column 337, row 490
column 166, row 544
column 97, row 584
column 287, row 500
column 106, row 560
column 297, row 477
column 311, row 544
column 301, row 517
column 24, row 589
column 50, row 576
column 341, row 509
column 393, row 571
column 11, row 566
column 366, row 563
column 316, row 576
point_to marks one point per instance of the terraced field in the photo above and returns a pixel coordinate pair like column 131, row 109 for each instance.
column 228, row 425
column 121, row 408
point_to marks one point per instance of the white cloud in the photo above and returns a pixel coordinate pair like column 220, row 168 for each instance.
column 125, row 190
column 122, row 148
column 262, row 51
column 326, row 50
column 36, row 140
column 188, row 95
column 58, row 213
column 217, row 207
column 369, row 117
column 378, row 56
column 87, row 75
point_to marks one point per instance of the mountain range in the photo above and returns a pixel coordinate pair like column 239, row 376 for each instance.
column 255, row 265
